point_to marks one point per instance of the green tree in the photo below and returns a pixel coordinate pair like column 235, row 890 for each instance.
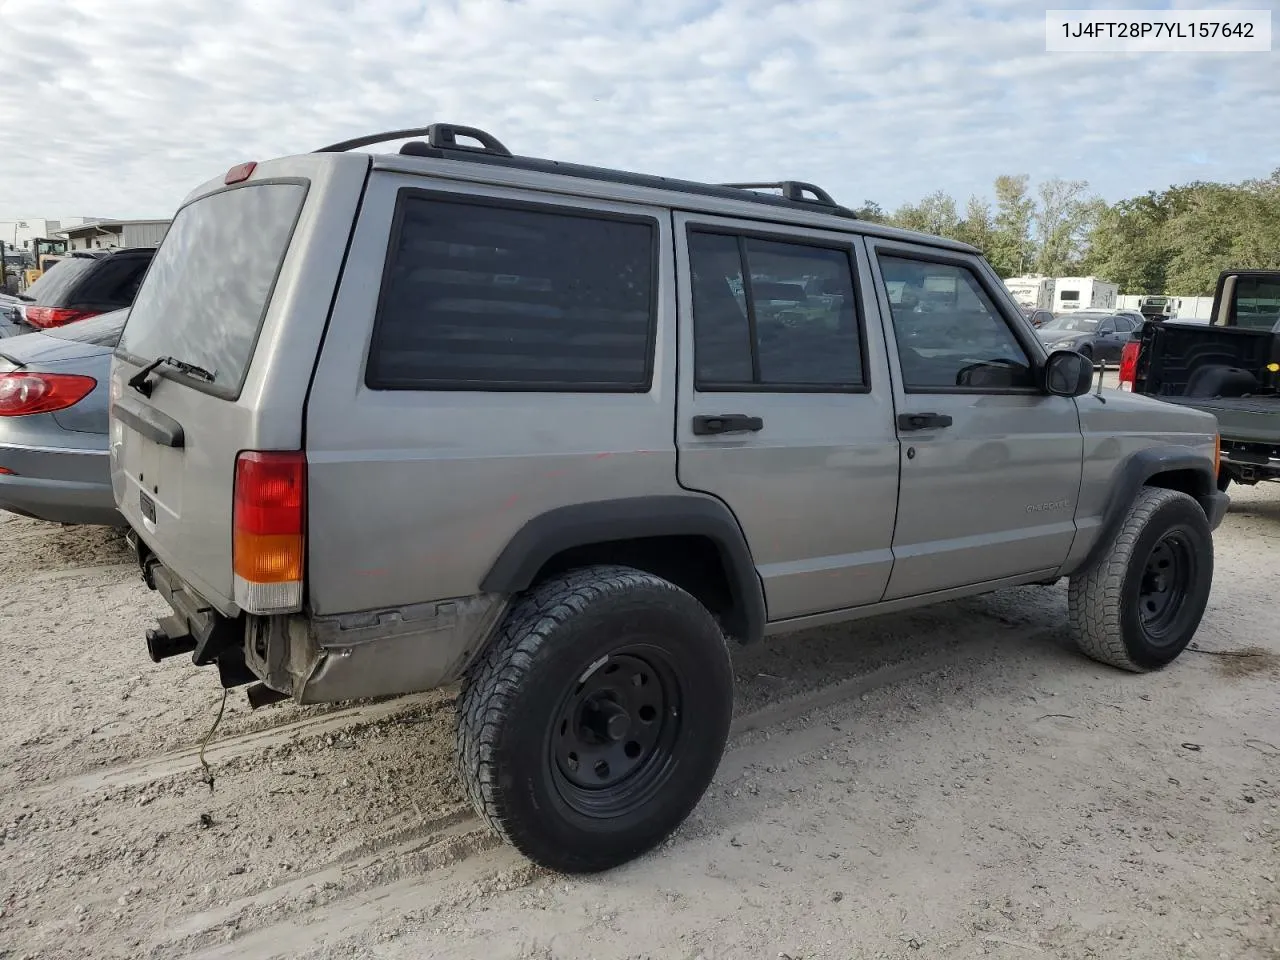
column 978, row 226
column 1011, row 250
column 1062, row 220
column 935, row 214
column 1129, row 244
column 872, row 212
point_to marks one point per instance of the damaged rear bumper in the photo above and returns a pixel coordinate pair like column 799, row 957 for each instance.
column 323, row 659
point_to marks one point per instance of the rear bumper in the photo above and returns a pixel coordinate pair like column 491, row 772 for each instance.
column 1248, row 462
column 58, row 485
column 327, row 659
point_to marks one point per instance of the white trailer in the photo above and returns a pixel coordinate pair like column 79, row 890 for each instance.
column 1035, row 291
column 1084, row 293
column 1183, row 309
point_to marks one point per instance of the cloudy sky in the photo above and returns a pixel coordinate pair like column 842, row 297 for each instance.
column 118, row 107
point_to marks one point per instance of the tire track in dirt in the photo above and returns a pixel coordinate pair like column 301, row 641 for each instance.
column 185, row 762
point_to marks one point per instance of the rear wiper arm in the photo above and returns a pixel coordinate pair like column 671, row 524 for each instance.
column 141, row 381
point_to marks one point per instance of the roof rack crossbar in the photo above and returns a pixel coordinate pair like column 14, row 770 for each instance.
column 793, row 190
column 442, row 136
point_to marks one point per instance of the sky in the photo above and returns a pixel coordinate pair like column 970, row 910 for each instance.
column 117, row 108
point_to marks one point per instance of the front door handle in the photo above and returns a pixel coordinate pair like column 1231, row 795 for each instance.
column 923, row 421
column 727, row 423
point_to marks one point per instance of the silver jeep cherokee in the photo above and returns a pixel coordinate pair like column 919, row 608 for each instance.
column 383, row 422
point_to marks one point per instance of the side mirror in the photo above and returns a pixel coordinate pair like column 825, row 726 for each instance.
column 1068, row 374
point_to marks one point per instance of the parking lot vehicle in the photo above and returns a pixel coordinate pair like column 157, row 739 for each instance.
column 1083, row 293
column 53, row 422
column 528, row 424
column 84, row 285
column 1099, row 336
column 1035, row 316
column 1230, row 368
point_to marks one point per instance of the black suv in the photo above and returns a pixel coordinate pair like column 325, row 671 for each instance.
column 84, row 286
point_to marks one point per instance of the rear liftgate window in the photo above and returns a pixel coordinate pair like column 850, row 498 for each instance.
column 203, row 301
column 481, row 296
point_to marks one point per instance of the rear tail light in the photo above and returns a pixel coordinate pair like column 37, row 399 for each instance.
column 1129, row 364
column 22, row 394
column 46, row 317
column 269, row 531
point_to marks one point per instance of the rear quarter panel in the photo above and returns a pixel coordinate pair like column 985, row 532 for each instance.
column 413, row 494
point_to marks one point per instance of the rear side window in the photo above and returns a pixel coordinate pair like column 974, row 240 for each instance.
column 58, row 282
column 483, row 296
column 208, row 288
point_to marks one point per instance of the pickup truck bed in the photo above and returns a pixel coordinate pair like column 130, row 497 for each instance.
column 1194, row 366
column 1249, row 419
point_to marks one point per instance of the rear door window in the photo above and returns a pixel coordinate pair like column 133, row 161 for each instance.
column 491, row 296
column 791, row 324
column 205, row 296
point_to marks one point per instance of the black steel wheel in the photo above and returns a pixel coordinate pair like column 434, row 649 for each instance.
column 1140, row 603
column 580, row 737
column 1166, row 577
column 611, row 745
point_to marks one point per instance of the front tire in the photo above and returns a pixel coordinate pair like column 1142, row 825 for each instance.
column 1140, row 604
column 596, row 719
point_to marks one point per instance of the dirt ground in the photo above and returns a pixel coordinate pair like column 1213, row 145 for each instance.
column 954, row 782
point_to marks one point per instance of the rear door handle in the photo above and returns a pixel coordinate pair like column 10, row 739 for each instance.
column 727, row 423
column 923, row 421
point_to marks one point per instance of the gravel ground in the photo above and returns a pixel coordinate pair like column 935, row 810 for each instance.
column 954, row 782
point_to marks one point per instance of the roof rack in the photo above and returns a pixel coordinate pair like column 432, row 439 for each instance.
column 793, row 190
column 442, row 143
column 441, row 136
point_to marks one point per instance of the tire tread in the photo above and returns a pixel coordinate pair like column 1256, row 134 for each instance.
column 496, row 678
column 1094, row 595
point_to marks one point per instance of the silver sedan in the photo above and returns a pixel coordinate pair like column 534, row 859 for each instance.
column 53, row 422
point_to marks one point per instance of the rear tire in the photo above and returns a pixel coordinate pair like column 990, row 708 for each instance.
column 594, row 722
column 1140, row 604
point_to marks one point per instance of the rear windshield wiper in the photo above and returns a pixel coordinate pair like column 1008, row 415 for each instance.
column 141, row 382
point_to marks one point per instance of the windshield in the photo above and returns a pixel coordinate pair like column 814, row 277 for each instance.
column 103, row 330
column 1075, row 323
column 1257, row 302
column 56, row 283
column 205, row 296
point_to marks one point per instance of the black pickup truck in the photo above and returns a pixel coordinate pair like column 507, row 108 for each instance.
column 1230, row 368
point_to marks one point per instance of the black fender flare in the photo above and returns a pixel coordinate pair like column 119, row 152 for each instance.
column 633, row 518
column 1135, row 472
